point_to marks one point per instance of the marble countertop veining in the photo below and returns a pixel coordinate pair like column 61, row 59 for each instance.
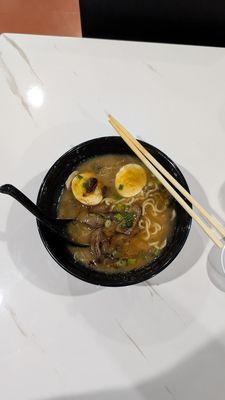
column 63, row 339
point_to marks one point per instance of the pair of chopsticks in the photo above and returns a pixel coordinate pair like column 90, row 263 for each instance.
column 161, row 173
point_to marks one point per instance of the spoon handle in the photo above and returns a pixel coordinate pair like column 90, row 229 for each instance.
column 35, row 210
column 25, row 201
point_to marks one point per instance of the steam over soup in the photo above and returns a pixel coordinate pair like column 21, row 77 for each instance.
column 120, row 209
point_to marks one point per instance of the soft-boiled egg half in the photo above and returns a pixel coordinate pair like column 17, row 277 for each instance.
column 87, row 189
column 130, row 180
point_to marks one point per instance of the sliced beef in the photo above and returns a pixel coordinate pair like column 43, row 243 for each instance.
column 90, row 219
column 98, row 243
column 101, row 208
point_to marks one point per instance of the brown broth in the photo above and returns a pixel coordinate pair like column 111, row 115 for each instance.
column 132, row 251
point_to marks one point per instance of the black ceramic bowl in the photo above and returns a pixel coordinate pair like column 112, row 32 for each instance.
column 50, row 192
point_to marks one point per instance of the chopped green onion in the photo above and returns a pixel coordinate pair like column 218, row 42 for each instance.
column 121, row 187
column 118, row 217
column 80, row 176
column 131, row 261
column 108, row 223
column 128, row 220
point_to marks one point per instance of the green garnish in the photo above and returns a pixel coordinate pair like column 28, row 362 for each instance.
column 80, row 176
column 108, row 223
column 121, row 187
column 128, row 220
column 119, row 217
column 131, row 261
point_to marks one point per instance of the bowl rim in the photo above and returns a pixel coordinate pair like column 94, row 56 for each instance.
column 121, row 275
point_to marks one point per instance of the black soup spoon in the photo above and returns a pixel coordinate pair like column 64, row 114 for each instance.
column 55, row 225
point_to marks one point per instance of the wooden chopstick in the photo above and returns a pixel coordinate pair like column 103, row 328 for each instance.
column 211, row 218
column 148, row 160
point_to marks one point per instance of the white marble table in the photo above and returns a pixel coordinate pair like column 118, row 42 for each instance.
column 60, row 338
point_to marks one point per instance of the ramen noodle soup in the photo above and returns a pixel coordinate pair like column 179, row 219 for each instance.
column 120, row 210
